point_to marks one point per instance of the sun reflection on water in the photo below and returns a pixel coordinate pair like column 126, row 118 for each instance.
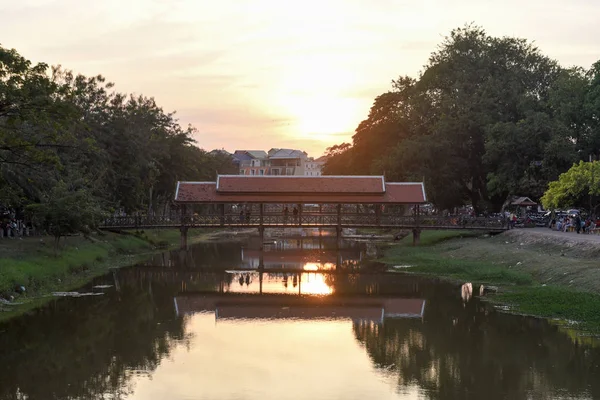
column 315, row 284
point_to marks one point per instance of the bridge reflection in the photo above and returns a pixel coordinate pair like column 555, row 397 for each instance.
column 280, row 254
column 243, row 306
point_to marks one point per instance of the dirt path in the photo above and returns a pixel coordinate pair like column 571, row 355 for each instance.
column 564, row 236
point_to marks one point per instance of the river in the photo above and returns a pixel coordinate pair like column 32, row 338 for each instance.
column 317, row 323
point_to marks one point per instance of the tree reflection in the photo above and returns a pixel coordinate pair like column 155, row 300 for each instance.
column 86, row 347
column 473, row 352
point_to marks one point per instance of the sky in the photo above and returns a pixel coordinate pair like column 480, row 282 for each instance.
column 257, row 74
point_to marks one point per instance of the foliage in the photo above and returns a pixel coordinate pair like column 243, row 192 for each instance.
column 487, row 118
column 578, row 187
column 123, row 149
column 66, row 211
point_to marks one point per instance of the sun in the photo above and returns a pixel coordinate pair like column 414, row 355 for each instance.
column 315, row 95
column 319, row 117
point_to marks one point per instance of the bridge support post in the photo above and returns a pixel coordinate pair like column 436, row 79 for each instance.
column 261, row 228
column 184, row 236
column 338, row 228
column 416, row 236
column 183, row 229
column 338, row 236
column 416, row 229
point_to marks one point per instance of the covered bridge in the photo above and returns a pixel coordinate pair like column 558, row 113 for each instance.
column 302, row 201
column 280, row 201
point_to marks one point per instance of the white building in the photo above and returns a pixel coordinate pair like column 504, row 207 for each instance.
column 313, row 167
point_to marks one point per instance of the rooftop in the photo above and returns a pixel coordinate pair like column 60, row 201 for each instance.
column 301, row 189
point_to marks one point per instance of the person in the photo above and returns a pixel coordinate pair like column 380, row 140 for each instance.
column 242, row 216
column 295, row 212
column 577, row 224
column 568, row 224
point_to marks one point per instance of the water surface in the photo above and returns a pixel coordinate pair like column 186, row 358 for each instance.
column 317, row 323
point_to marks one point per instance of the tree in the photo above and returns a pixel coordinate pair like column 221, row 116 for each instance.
column 66, row 210
column 481, row 122
column 578, row 187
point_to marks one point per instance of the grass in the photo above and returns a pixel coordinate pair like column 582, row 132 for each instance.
column 555, row 302
column 531, row 280
column 437, row 263
column 32, row 263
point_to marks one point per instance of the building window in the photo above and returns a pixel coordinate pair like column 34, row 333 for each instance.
column 252, row 172
column 261, row 172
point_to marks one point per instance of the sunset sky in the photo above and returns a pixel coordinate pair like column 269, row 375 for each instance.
column 256, row 74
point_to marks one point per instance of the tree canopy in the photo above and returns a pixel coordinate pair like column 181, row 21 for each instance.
column 68, row 133
column 486, row 119
column 578, row 187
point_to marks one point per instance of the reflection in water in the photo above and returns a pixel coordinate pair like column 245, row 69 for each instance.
column 193, row 330
column 466, row 291
column 265, row 282
column 313, row 253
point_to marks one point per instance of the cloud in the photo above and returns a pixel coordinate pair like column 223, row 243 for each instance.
column 250, row 72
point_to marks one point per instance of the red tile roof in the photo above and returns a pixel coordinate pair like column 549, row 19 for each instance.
column 300, row 184
column 395, row 192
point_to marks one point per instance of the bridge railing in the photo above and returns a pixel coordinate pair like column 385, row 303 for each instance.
column 308, row 219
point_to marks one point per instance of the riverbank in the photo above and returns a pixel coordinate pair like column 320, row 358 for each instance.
column 31, row 263
column 535, row 273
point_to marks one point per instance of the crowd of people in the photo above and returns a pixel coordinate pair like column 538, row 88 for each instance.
column 565, row 223
column 13, row 228
column 13, row 225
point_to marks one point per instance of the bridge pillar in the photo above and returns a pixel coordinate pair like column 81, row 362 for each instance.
column 338, row 228
column 184, row 236
column 416, row 236
column 416, row 229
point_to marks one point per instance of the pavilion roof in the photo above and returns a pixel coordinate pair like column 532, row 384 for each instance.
column 523, row 201
column 300, row 189
column 300, row 184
